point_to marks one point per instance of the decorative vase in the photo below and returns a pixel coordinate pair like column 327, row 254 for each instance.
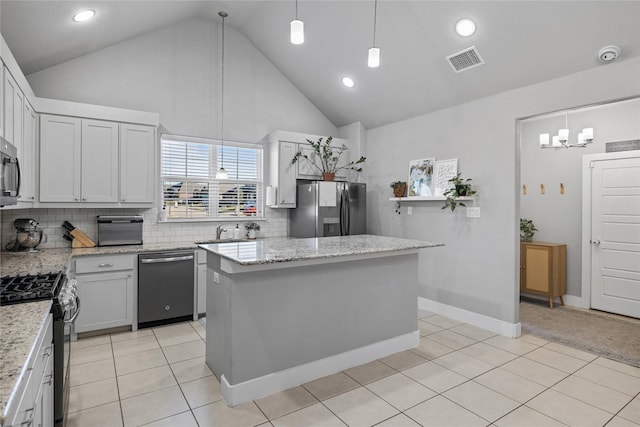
column 328, row 176
column 461, row 190
column 400, row 189
column 252, row 234
column 526, row 237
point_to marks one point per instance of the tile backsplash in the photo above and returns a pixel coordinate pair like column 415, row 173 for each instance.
column 50, row 220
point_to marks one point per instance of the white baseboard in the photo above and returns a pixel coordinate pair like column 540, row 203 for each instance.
column 511, row 330
column 574, row 301
column 283, row 380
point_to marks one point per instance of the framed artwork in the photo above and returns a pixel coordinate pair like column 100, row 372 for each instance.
column 420, row 180
column 444, row 171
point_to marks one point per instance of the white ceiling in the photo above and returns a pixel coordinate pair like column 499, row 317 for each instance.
column 521, row 42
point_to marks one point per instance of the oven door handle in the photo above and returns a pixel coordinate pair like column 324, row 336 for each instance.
column 73, row 318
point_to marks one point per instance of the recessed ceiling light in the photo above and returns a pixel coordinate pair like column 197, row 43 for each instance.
column 348, row 82
column 465, row 27
column 85, row 15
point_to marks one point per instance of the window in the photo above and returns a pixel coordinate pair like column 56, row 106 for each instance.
column 189, row 184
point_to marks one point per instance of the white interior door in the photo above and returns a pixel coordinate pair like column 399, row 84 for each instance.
column 615, row 236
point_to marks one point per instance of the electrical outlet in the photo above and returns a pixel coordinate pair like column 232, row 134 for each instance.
column 216, row 277
column 473, row 212
column 409, row 210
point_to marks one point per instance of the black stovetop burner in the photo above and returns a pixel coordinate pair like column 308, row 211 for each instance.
column 29, row 288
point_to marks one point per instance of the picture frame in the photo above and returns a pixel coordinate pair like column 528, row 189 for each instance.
column 444, row 170
column 420, row 182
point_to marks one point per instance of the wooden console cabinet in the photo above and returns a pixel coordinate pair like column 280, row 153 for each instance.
column 543, row 269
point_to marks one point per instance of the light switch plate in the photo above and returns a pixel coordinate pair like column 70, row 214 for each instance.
column 216, row 277
column 473, row 212
column 409, row 210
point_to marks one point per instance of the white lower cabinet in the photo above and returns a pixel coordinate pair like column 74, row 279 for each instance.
column 201, row 280
column 106, row 292
column 34, row 401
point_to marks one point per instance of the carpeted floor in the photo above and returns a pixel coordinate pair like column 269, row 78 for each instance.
column 611, row 336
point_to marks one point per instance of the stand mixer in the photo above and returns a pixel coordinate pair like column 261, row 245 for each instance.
column 28, row 236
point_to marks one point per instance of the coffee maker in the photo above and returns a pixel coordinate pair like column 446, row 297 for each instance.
column 28, row 236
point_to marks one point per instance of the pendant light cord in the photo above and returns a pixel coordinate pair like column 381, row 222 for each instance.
column 223, row 14
column 375, row 20
column 296, row 10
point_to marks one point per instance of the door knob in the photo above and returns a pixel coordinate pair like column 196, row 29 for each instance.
column 595, row 242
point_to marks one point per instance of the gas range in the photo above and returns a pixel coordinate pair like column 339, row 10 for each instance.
column 29, row 288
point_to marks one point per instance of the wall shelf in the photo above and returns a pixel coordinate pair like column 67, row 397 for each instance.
column 425, row 199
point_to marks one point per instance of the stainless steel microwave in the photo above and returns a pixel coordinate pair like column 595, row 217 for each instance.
column 9, row 173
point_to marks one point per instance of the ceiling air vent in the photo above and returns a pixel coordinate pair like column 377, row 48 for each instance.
column 465, row 59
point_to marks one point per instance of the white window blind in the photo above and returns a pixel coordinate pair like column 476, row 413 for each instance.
column 190, row 187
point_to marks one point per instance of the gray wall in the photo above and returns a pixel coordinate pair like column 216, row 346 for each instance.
column 558, row 217
column 477, row 269
column 174, row 71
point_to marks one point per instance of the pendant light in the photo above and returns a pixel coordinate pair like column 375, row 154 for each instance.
column 297, row 29
column 374, row 52
column 222, row 174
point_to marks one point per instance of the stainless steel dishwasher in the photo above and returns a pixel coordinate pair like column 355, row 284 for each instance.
column 165, row 287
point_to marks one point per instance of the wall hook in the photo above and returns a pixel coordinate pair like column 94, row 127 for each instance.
column 541, row 188
column 561, row 188
column 524, row 189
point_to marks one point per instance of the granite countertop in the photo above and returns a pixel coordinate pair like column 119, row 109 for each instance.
column 53, row 260
column 21, row 324
column 286, row 249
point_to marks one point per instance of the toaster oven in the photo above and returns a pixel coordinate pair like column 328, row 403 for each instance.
column 115, row 230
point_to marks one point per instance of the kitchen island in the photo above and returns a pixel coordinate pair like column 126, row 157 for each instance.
column 282, row 312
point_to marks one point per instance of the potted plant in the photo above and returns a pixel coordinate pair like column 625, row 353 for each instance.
column 251, row 228
column 328, row 156
column 527, row 230
column 399, row 188
column 459, row 188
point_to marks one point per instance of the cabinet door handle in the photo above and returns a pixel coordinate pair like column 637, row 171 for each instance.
column 595, row 242
column 105, row 265
column 50, row 379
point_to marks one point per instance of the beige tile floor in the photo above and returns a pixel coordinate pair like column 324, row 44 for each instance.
column 460, row 375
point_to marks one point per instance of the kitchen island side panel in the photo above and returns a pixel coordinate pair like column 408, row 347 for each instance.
column 218, row 329
column 282, row 318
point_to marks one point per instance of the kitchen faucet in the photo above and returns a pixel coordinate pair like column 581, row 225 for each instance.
column 219, row 231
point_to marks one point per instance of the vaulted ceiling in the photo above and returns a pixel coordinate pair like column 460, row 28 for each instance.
column 521, row 42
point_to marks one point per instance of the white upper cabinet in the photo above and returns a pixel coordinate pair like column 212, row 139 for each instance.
column 280, row 172
column 286, row 192
column 96, row 161
column 13, row 105
column 99, row 161
column 2, row 71
column 137, row 161
column 60, row 151
column 28, row 157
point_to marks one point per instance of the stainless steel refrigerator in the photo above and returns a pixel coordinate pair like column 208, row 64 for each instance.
column 329, row 209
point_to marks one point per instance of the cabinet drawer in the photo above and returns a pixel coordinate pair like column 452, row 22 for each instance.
column 104, row 263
